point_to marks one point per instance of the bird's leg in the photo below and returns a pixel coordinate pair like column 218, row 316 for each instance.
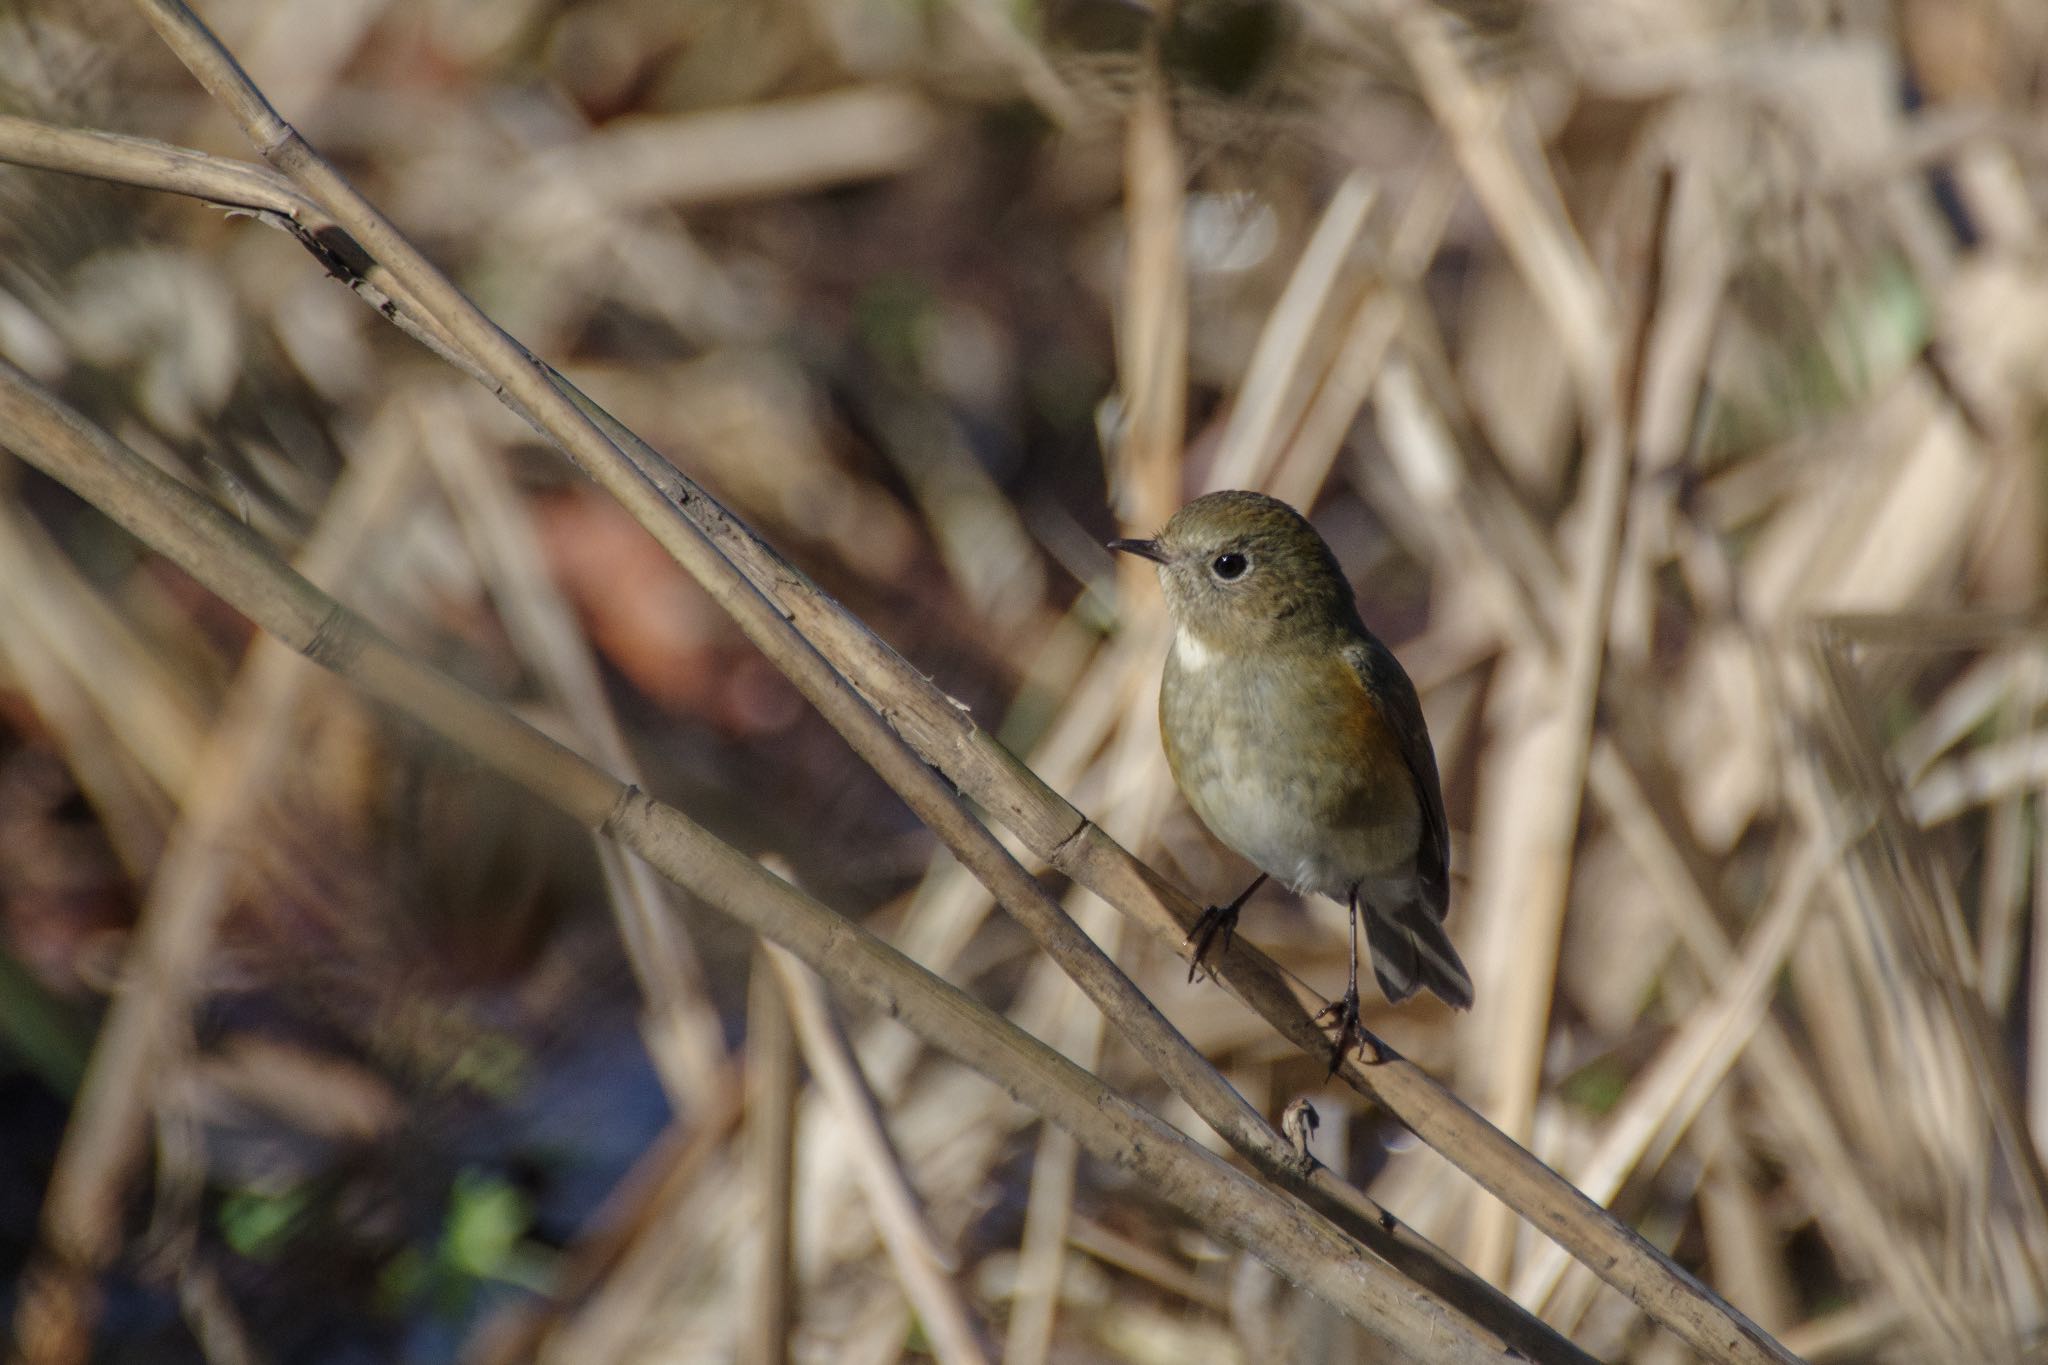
column 1217, row 919
column 1344, row 1013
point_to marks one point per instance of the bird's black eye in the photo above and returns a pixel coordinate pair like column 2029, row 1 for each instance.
column 1229, row 565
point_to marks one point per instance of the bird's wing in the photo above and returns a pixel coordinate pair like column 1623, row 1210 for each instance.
column 1387, row 684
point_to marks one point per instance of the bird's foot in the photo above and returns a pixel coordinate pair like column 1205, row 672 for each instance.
column 1216, row 920
column 1351, row 1032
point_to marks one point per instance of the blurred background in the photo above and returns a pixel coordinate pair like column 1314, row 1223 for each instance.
column 1668, row 377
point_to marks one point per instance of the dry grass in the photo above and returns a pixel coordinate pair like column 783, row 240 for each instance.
column 1668, row 381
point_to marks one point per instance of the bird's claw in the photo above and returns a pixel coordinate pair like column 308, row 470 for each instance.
column 1351, row 1032
column 1216, row 920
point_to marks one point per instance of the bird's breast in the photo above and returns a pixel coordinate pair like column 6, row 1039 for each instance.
column 1288, row 760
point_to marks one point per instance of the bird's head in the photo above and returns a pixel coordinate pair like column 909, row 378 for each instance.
column 1242, row 570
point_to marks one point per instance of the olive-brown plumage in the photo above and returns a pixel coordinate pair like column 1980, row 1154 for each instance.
column 1297, row 737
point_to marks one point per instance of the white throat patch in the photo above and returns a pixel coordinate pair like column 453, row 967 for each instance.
column 1190, row 652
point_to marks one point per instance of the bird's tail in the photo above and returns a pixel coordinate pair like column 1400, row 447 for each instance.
column 1410, row 950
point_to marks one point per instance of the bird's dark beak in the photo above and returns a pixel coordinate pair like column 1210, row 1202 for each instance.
column 1144, row 549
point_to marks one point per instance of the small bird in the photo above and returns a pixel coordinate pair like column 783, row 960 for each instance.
column 1297, row 737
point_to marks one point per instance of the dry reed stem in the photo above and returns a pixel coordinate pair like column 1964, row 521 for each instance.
column 135, row 810
column 925, row 1271
column 996, row 25
column 2037, row 1000
column 782, row 148
column 1354, row 366
column 150, row 165
column 1491, row 139
column 1249, row 440
column 1152, row 324
column 149, row 712
column 216, row 1324
column 1134, row 797
column 1523, row 901
column 1851, row 1333
column 220, row 554
column 1048, row 1206
column 771, row 1108
column 1110, row 1247
column 1042, row 1249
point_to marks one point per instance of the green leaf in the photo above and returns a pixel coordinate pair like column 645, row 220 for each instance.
column 487, row 1216
column 258, row 1223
